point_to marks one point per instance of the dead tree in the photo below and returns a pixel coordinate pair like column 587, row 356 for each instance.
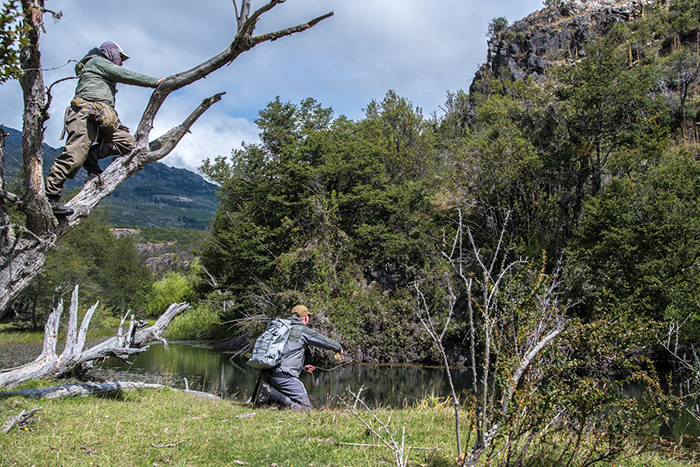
column 23, row 247
column 383, row 432
column 429, row 323
column 686, row 356
column 75, row 360
column 506, row 337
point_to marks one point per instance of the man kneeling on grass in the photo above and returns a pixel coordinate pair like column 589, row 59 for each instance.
column 282, row 382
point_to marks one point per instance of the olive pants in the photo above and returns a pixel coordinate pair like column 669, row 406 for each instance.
column 82, row 133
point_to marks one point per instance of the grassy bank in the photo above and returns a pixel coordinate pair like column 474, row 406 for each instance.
column 100, row 327
column 19, row 346
column 154, row 428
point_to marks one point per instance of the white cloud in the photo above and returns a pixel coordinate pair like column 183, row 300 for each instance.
column 419, row 49
column 214, row 134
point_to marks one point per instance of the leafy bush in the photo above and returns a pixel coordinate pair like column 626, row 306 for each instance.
column 496, row 26
column 173, row 288
column 637, row 248
column 201, row 322
column 322, row 199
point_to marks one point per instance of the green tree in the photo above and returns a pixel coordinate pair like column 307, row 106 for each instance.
column 401, row 138
column 108, row 270
column 502, row 166
column 607, row 110
column 637, row 249
column 124, row 279
column 458, row 115
column 323, row 204
column 12, row 39
column 682, row 71
column 496, row 26
column 266, row 190
column 683, row 19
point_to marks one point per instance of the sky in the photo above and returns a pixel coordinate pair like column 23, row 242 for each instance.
column 419, row 49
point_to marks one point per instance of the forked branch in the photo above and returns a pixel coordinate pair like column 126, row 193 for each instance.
column 74, row 360
column 144, row 152
column 387, row 438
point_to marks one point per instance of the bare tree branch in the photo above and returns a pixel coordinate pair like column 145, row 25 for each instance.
column 430, row 327
column 20, row 419
column 21, row 259
column 273, row 36
column 12, row 198
column 398, row 450
column 495, row 381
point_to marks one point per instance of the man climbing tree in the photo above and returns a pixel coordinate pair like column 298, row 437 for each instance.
column 91, row 118
column 23, row 247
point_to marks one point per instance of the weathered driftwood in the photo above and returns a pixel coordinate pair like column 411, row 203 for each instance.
column 20, row 419
column 94, row 389
column 80, row 390
column 74, row 360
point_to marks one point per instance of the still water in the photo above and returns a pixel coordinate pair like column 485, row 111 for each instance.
column 213, row 371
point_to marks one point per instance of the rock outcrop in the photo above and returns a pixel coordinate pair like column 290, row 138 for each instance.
column 525, row 49
column 159, row 257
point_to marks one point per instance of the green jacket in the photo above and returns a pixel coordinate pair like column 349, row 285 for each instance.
column 98, row 78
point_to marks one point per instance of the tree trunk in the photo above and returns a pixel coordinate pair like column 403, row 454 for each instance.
column 4, row 231
column 22, row 253
column 76, row 361
column 35, row 206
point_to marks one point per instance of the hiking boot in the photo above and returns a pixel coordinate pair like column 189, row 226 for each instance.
column 90, row 176
column 263, row 396
column 59, row 209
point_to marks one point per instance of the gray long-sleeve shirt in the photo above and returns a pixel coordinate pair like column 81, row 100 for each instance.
column 296, row 348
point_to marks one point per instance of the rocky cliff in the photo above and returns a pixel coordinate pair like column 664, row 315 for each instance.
column 525, row 49
column 162, row 256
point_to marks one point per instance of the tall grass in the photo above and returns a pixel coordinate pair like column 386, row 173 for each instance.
column 162, row 427
column 8, row 336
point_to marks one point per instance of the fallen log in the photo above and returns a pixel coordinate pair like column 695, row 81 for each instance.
column 79, row 390
column 74, row 360
column 94, row 389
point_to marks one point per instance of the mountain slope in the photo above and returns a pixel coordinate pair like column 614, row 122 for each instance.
column 157, row 196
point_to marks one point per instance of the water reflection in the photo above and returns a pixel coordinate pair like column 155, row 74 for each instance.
column 212, row 371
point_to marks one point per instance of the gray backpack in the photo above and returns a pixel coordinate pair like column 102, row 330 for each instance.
column 268, row 349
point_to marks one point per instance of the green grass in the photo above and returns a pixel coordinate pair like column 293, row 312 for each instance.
column 11, row 335
column 8, row 335
column 197, row 432
column 153, row 428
